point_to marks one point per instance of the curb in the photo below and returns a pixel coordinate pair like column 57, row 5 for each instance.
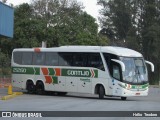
column 11, row 96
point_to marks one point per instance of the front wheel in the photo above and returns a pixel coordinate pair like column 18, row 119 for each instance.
column 123, row 98
column 101, row 92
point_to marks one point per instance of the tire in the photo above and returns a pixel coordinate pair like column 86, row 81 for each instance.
column 62, row 93
column 30, row 87
column 40, row 88
column 123, row 98
column 101, row 92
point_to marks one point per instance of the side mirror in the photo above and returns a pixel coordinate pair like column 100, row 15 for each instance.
column 151, row 64
column 121, row 63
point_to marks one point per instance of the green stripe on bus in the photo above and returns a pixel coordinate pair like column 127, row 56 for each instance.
column 96, row 73
column 51, row 71
column 65, row 72
column 139, row 86
column 55, row 80
column 37, row 71
column 25, row 70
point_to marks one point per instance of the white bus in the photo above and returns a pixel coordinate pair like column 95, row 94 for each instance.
column 110, row 71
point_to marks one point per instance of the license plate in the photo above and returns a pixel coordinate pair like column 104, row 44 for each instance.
column 137, row 93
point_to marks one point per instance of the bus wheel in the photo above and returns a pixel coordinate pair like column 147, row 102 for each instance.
column 101, row 92
column 62, row 93
column 40, row 88
column 123, row 98
column 30, row 87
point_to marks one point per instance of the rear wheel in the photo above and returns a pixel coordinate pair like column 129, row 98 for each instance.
column 30, row 87
column 101, row 92
column 123, row 98
column 40, row 88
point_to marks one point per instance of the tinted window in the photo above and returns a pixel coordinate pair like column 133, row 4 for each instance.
column 51, row 59
column 108, row 58
column 94, row 60
column 114, row 68
column 80, row 59
column 27, row 58
column 38, row 58
column 116, row 72
column 17, row 57
column 65, row 59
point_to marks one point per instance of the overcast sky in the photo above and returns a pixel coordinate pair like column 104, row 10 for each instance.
column 91, row 6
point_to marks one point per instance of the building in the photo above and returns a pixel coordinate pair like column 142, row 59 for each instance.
column 6, row 20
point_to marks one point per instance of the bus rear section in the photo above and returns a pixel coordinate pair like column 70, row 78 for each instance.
column 49, row 69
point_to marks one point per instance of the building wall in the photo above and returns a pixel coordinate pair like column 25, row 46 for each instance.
column 6, row 20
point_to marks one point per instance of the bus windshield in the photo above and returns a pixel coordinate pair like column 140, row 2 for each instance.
column 135, row 70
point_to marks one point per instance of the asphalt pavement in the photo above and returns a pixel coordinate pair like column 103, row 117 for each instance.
column 82, row 102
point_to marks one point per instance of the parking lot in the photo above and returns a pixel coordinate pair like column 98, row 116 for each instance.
column 80, row 102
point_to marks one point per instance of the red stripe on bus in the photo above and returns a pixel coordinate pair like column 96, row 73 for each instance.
column 45, row 71
column 37, row 50
column 58, row 71
column 92, row 72
column 48, row 79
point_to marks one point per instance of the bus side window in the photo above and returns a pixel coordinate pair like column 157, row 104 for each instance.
column 38, row 58
column 113, row 67
column 79, row 59
column 17, row 57
column 51, row 59
column 108, row 58
column 27, row 58
column 65, row 59
column 116, row 72
column 94, row 60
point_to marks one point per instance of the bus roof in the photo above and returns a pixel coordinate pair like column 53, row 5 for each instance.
column 120, row 51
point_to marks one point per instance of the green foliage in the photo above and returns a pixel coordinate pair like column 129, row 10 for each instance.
column 59, row 22
column 4, row 63
column 116, row 17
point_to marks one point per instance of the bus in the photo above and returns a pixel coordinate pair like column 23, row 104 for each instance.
column 102, row 70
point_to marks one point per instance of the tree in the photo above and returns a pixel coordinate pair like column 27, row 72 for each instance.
column 4, row 64
column 117, row 19
column 67, row 22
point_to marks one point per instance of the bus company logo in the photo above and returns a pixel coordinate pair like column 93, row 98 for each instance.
column 6, row 114
column 80, row 73
column 77, row 73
